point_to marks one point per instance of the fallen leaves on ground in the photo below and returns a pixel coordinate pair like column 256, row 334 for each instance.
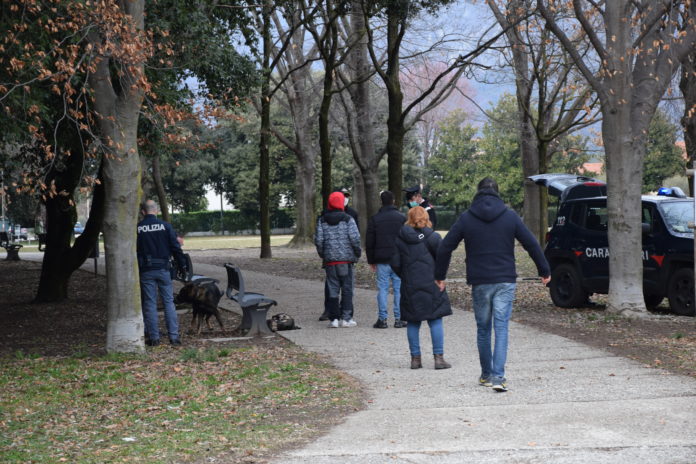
column 63, row 400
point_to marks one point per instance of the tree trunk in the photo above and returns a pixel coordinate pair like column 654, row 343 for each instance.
column 543, row 196
column 306, row 154
column 122, row 181
column 366, row 198
column 117, row 115
column 395, row 147
column 371, row 188
column 359, row 200
column 360, row 129
column 687, row 84
column 621, row 133
column 324, row 137
column 328, row 49
column 60, row 259
column 395, row 124
column 53, row 283
column 529, row 151
column 624, row 179
column 159, row 188
column 265, row 136
column 524, row 85
column 304, row 209
column 298, row 89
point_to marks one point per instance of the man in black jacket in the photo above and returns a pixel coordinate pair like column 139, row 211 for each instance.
column 382, row 230
column 489, row 229
column 156, row 242
column 414, row 198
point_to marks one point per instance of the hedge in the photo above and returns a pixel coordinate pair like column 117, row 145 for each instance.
column 235, row 221
column 445, row 218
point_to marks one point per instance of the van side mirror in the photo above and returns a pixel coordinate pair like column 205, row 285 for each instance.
column 645, row 227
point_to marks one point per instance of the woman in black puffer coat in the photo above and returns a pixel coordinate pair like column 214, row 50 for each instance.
column 421, row 299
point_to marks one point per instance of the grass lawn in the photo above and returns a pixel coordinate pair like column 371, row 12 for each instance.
column 167, row 406
column 231, row 241
column 204, row 243
column 212, row 242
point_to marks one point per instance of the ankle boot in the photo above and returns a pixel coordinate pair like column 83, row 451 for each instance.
column 416, row 362
column 440, row 362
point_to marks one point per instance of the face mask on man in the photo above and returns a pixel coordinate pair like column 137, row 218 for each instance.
column 345, row 201
column 412, row 203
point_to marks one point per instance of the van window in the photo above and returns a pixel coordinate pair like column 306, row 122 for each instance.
column 577, row 214
column 647, row 217
column 596, row 218
column 678, row 214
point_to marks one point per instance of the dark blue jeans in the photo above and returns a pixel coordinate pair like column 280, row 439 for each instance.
column 150, row 283
column 492, row 309
column 339, row 284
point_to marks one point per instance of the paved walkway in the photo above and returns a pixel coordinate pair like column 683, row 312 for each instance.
column 567, row 403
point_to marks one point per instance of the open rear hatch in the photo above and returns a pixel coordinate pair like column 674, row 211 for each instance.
column 570, row 186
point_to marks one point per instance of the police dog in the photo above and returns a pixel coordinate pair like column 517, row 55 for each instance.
column 204, row 296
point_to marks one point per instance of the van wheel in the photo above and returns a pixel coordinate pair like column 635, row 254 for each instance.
column 653, row 301
column 680, row 292
column 565, row 286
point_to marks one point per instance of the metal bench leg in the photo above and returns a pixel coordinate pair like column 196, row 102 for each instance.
column 12, row 254
column 246, row 318
column 258, row 325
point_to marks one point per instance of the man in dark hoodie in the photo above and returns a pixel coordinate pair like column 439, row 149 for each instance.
column 380, row 239
column 489, row 229
column 338, row 243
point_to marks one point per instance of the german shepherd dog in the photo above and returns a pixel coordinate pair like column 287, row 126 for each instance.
column 204, row 296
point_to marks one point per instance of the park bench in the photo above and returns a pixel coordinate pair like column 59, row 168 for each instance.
column 254, row 305
column 12, row 249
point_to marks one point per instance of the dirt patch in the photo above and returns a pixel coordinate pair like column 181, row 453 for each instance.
column 77, row 324
column 60, row 329
column 660, row 340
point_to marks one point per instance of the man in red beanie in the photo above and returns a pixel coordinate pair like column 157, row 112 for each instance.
column 338, row 243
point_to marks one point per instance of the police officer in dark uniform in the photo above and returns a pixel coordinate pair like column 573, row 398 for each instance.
column 414, row 198
column 156, row 243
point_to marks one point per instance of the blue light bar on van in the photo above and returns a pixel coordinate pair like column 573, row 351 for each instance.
column 671, row 192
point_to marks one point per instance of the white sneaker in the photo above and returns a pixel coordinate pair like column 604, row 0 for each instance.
column 333, row 324
column 350, row 323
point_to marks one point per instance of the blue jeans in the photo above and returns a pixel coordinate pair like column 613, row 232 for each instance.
column 437, row 333
column 339, row 283
column 150, row 283
column 492, row 309
column 385, row 275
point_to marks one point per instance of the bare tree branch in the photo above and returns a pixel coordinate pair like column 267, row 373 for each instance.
column 572, row 50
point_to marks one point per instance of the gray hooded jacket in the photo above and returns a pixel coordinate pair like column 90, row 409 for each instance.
column 337, row 238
